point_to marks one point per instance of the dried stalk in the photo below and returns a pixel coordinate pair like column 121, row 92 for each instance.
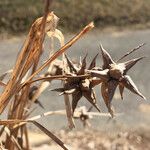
column 69, row 115
column 62, row 50
column 12, row 138
column 130, row 52
column 50, row 134
column 57, row 77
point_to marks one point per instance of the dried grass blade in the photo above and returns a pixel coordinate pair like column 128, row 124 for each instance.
column 26, row 137
column 50, row 134
column 59, row 112
column 23, row 63
column 58, row 34
column 2, row 130
column 6, row 129
column 45, row 84
column 42, row 32
column 62, row 50
column 8, row 92
column 10, row 122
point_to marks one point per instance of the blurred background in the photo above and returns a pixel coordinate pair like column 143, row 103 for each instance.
column 16, row 16
column 120, row 25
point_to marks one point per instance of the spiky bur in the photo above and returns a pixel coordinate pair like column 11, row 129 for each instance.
column 78, row 87
column 114, row 74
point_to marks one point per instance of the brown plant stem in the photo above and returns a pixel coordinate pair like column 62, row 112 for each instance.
column 62, row 50
column 57, row 77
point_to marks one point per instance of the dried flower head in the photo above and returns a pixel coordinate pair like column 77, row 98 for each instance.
column 79, row 85
column 112, row 75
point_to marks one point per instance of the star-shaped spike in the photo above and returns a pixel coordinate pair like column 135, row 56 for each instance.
column 106, row 58
column 79, row 87
column 105, row 95
column 129, row 84
column 71, row 65
column 91, row 97
column 76, row 96
column 121, row 89
column 129, row 64
column 93, row 63
column 114, row 74
column 83, row 66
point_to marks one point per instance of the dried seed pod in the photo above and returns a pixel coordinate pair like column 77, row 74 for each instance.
column 114, row 74
column 78, row 86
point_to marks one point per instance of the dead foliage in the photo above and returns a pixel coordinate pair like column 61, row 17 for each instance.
column 22, row 88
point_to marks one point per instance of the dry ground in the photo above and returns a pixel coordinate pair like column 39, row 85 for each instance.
column 96, row 140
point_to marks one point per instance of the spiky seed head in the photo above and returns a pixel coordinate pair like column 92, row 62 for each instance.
column 116, row 70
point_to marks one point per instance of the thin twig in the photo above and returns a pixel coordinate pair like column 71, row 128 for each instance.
column 133, row 50
column 59, row 112
column 58, row 77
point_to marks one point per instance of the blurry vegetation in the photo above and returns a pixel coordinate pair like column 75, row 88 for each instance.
column 17, row 15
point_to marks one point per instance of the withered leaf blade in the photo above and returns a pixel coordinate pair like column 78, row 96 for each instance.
column 76, row 96
column 121, row 89
column 50, row 134
column 90, row 96
column 10, row 122
column 58, row 34
column 107, row 60
column 105, row 95
column 129, row 64
column 93, row 63
column 83, row 66
column 70, row 64
column 129, row 84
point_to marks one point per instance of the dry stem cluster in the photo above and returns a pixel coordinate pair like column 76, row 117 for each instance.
column 22, row 89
